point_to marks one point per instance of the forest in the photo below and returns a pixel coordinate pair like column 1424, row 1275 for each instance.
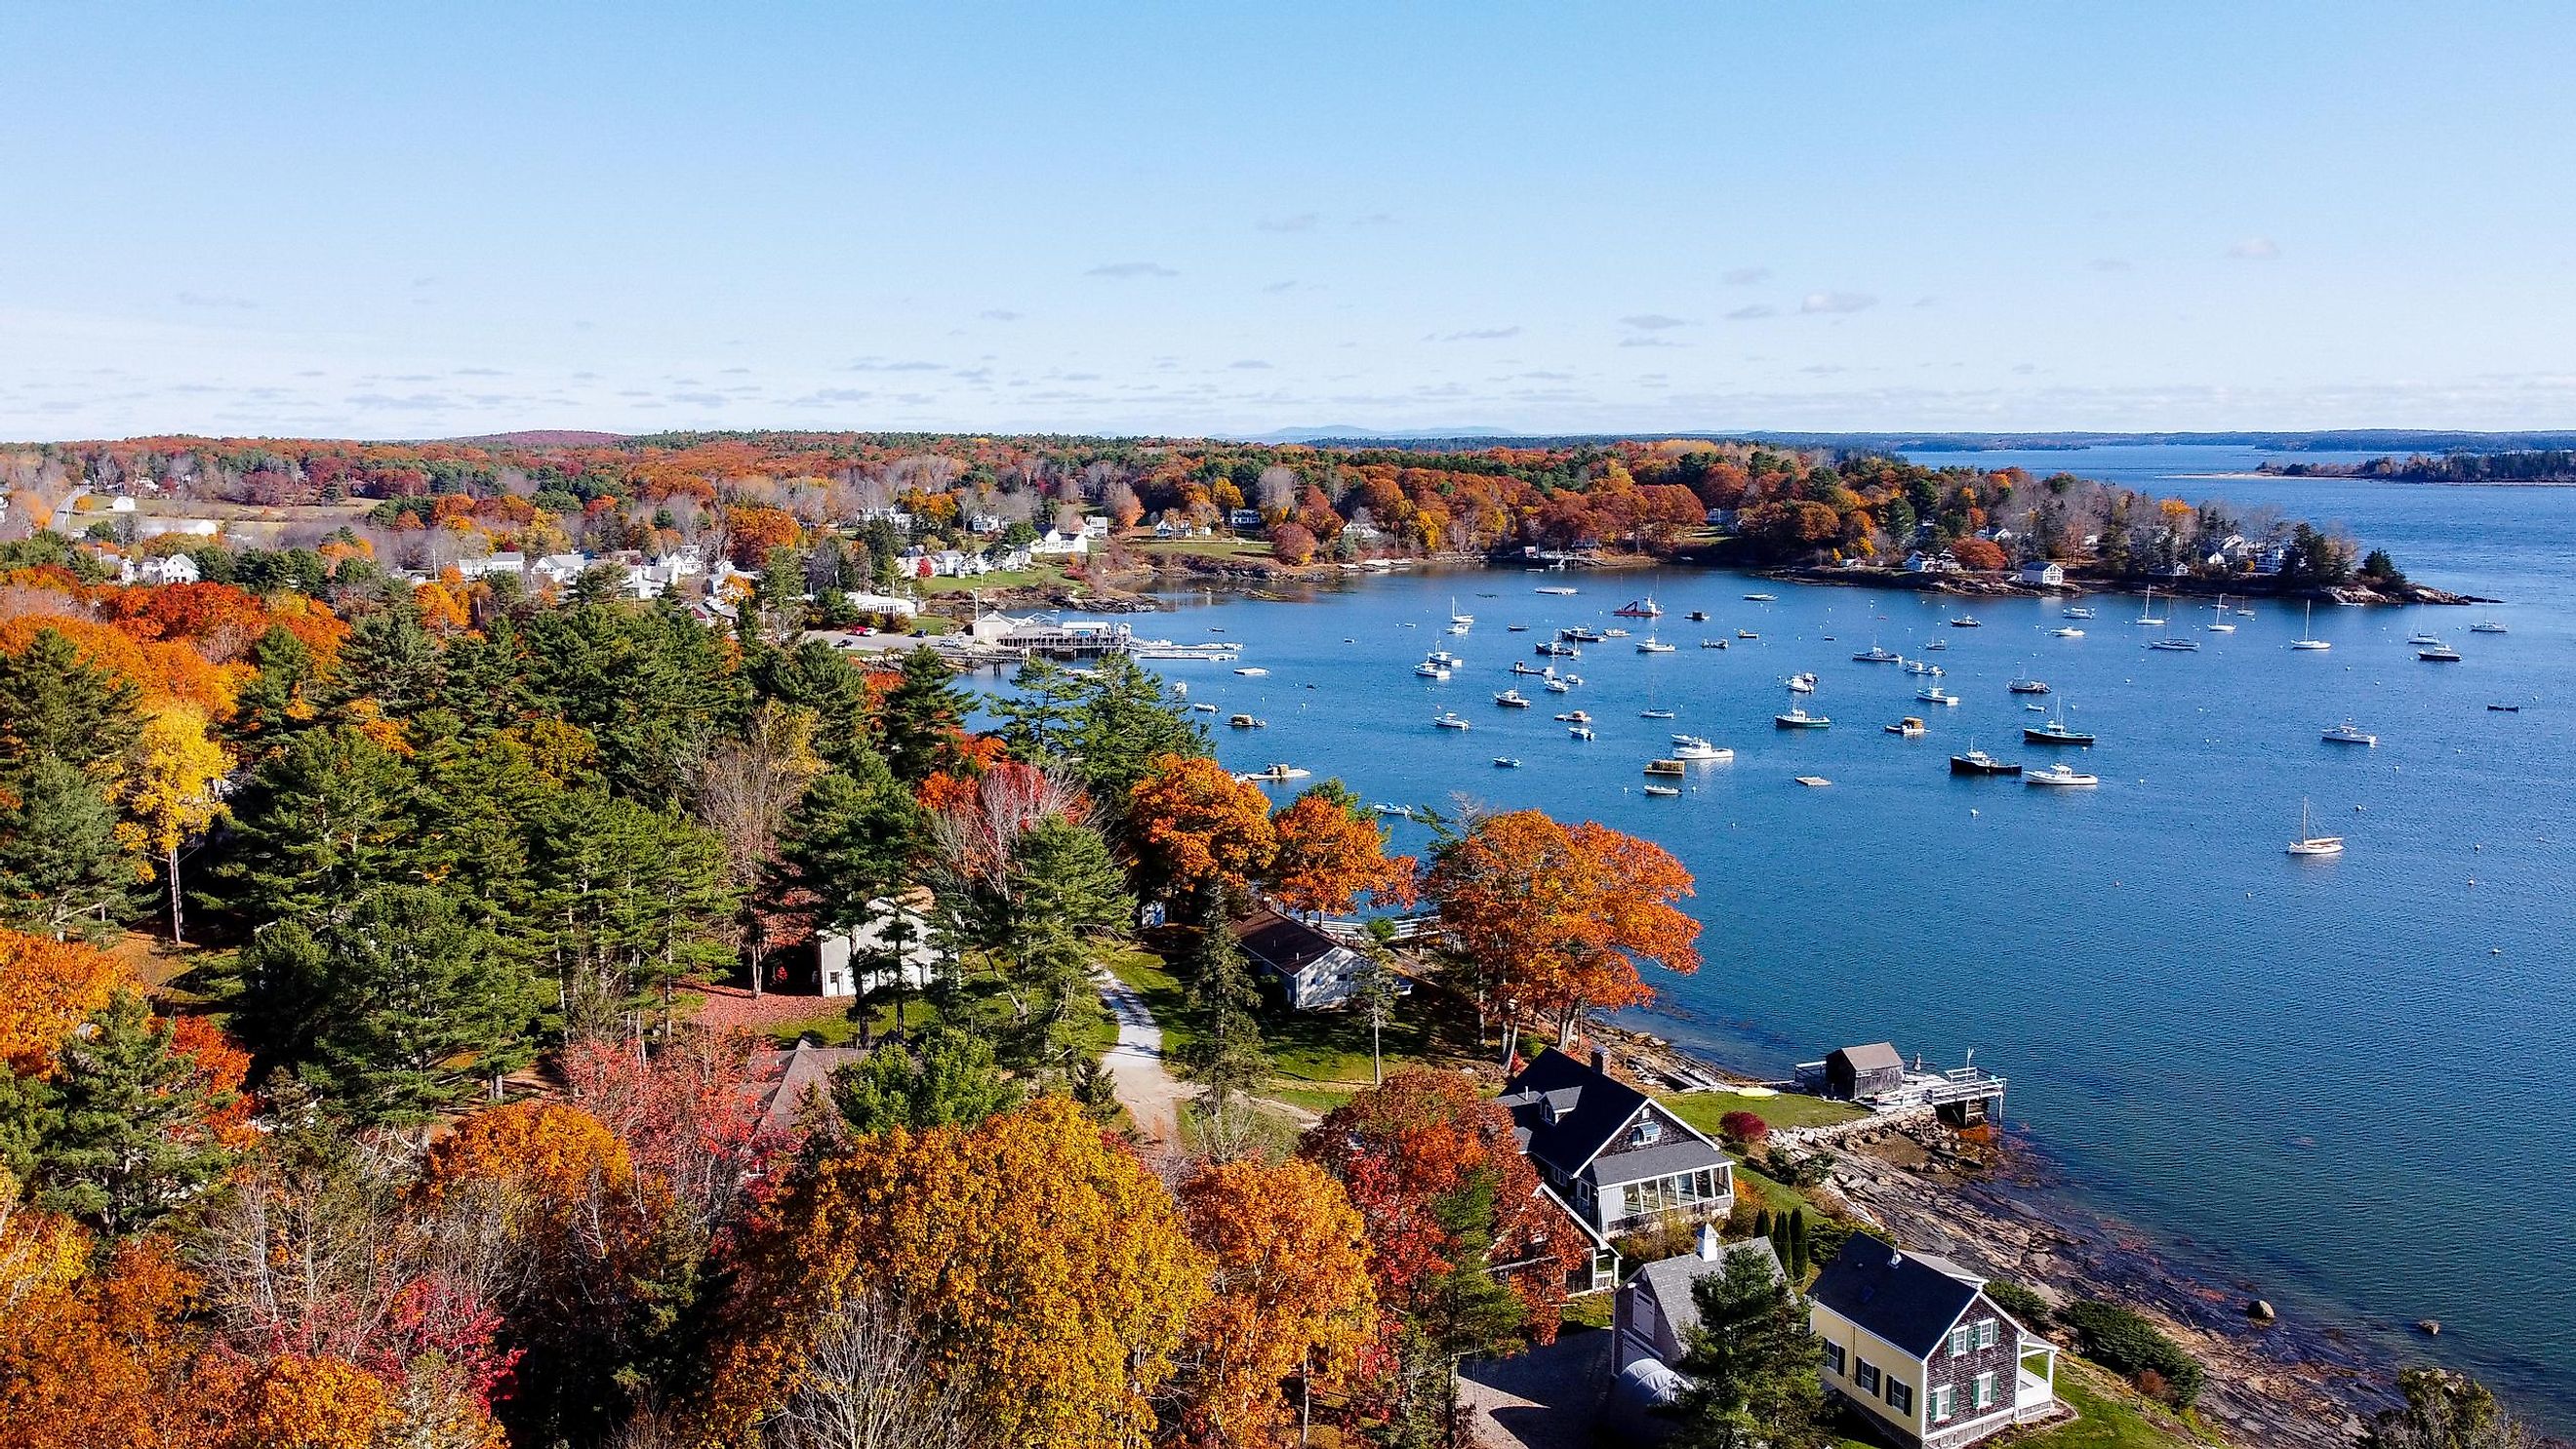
column 429, row 506
column 358, row 1094
column 2526, row 465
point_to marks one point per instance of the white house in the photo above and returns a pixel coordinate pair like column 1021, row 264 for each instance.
column 1243, row 519
column 178, row 568
column 1053, row 543
column 1095, row 526
column 120, row 505
column 560, row 568
column 894, row 942
column 884, row 604
column 2040, row 573
column 496, row 563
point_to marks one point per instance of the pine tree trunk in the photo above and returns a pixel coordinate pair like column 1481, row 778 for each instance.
column 175, row 921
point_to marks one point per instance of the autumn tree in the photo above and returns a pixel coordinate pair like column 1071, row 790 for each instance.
column 1053, row 1315
column 1331, row 851
column 746, row 791
column 1554, row 919
column 1292, row 544
column 47, row 987
column 170, row 791
column 1293, row 1296
column 1192, row 823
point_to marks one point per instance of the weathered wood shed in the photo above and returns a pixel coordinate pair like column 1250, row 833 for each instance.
column 1857, row 1072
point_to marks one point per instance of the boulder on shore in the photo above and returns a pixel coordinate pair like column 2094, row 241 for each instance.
column 2260, row 1311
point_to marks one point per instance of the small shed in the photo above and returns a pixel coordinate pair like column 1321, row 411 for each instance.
column 1859, row 1072
column 1313, row 971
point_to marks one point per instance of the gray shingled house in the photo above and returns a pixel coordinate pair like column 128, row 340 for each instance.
column 1913, row 1343
column 1613, row 1158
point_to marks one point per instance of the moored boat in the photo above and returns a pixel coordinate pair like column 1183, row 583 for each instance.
column 1978, row 762
column 2349, row 733
column 2311, row 843
column 1512, row 699
column 1450, row 720
column 2028, row 686
column 2060, row 775
column 1797, row 718
column 1911, row 727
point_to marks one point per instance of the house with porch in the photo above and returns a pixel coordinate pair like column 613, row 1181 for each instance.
column 1913, row 1344
column 1616, row 1160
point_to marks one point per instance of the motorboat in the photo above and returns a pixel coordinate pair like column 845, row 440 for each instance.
column 1450, row 720
column 1936, row 644
column 1876, row 654
column 1559, row 686
column 1581, row 732
column 1242, row 722
column 1443, row 656
column 1524, row 667
column 1797, row 718
column 1575, row 716
column 1967, row 621
column 2439, row 654
column 1429, row 670
column 1924, row 667
column 2307, row 639
column 1578, row 634
column 2061, row 775
column 1560, row 590
column 2311, row 843
column 1746, row 634
column 1761, row 598
column 1253, row 671
column 1978, row 762
column 1697, row 616
column 2028, row 686
column 1801, row 683
column 1516, row 628
column 2055, row 732
column 1712, row 643
column 1660, row 792
column 1506, row 762
column 1645, row 608
column 1277, row 772
column 1512, row 699
column 1555, row 650
column 1458, row 628
column 1571, row 678
column 1203, row 707
column 1911, row 727
column 2349, row 733
column 1702, row 750
column 1651, row 645
column 2066, row 631
column 1614, row 633
column 2075, row 611
column 1936, row 695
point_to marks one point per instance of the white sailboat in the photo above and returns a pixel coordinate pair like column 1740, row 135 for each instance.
column 2147, row 614
column 2218, row 618
column 1454, row 616
column 2311, row 843
column 2307, row 632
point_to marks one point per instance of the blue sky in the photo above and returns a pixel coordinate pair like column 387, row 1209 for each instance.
column 416, row 221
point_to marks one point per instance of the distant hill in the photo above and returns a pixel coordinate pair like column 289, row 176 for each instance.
column 1343, row 432
column 540, row 438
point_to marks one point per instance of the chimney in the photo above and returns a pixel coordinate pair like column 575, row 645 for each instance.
column 1600, row 1059
column 1708, row 1242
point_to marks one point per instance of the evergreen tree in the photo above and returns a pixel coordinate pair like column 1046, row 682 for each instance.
column 54, row 705
column 389, row 658
column 1128, row 720
column 943, row 1078
column 326, row 819
column 652, row 685
column 129, row 1140
column 1762, row 1222
column 279, row 699
column 1751, row 1364
column 1062, row 872
column 1797, row 1245
column 485, row 681
column 1040, row 713
column 628, row 900
column 62, row 870
column 1224, row 1052
column 917, row 723
column 813, row 677
column 855, row 836
column 416, row 1008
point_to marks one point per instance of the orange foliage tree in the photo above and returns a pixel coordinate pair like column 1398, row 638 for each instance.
column 47, row 987
column 1331, row 851
column 751, row 531
column 1293, row 1295
column 1042, row 1267
column 1555, row 918
column 1979, row 553
column 1193, row 823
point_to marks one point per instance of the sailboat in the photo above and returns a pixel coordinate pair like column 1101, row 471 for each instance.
column 1454, row 616
column 2307, row 632
column 2218, row 618
column 2147, row 615
column 2311, row 843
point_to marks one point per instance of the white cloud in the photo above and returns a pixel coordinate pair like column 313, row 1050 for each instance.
column 1250, row 364
column 1131, row 269
column 2255, row 249
column 1648, row 342
column 1746, row 276
column 1754, row 313
column 1480, row 334
column 1836, row 302
column 1651, row 321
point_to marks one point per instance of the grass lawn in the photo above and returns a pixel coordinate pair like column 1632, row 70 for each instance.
column 2110, row 1415
column 1789, row 1109
column 1211, row 547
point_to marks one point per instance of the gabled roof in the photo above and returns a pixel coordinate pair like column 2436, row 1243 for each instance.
column 1670, row 1279
column 1281, row 944
column 781, row 1080
column 1677, row 1154
column 1877, row 1056
column 1567, row 1111
column 1904, row 1299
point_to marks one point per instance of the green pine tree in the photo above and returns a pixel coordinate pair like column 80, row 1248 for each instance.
column 917, row 723
column 1797, row 1261
column 627, row 901
column 1751, row 1364
column 279, row 699
column 1224, row 1052
column 1128, row 720
column 128, row 1140
column 813, row 677
column 52, row 705
column 856, row 835
column 389, row 658
column 417, row 1008
column 62, row 871
column 1062, row 871
column 330, row 816
column 944, row 1077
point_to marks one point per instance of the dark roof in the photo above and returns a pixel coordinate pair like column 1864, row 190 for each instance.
column 1877, row 1056
column 1679, row 1153
column 1281, row 944
column 781, row 1080
column 1590, row 1108
column 1898, row 1296
column 1670, row 1279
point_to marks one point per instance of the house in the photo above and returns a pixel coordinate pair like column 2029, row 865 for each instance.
column 470, row 569
column 1913, row 1344
column 178, row 568
column 1055, row 543
column 1312, row 970
column 895, row 938
column 1095, row 526
column 895, row 604
column 783, row 1082
column 1654, row 1314
column 120, row 505
column 1854, row 1073
column 1615, row 1159
column 2039, row 573
column 1243, row 520
column 560, row 568
column 983, row 523
column 1919, row 562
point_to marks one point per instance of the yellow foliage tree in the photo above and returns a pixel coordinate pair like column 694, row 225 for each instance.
column 1293, row 1295
column 313, row 1402
column 1046, row 1271
column 169, row 791
column 46, row 989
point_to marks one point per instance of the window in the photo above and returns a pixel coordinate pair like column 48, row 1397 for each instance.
column 1944, row 1402
column 1900, row 1396
column 1962, row 1339
column 1649, row 1130
column 1981, row 1395
column 1866, row 1376
column 1985, row 1333
column 1834, row 1359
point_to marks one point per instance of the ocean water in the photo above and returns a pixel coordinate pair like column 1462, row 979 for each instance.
column 2342, row 1080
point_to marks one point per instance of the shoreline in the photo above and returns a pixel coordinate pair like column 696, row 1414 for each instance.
column 2297, row 1383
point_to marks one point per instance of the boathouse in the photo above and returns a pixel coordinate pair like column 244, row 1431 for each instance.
column 1859, row 1072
